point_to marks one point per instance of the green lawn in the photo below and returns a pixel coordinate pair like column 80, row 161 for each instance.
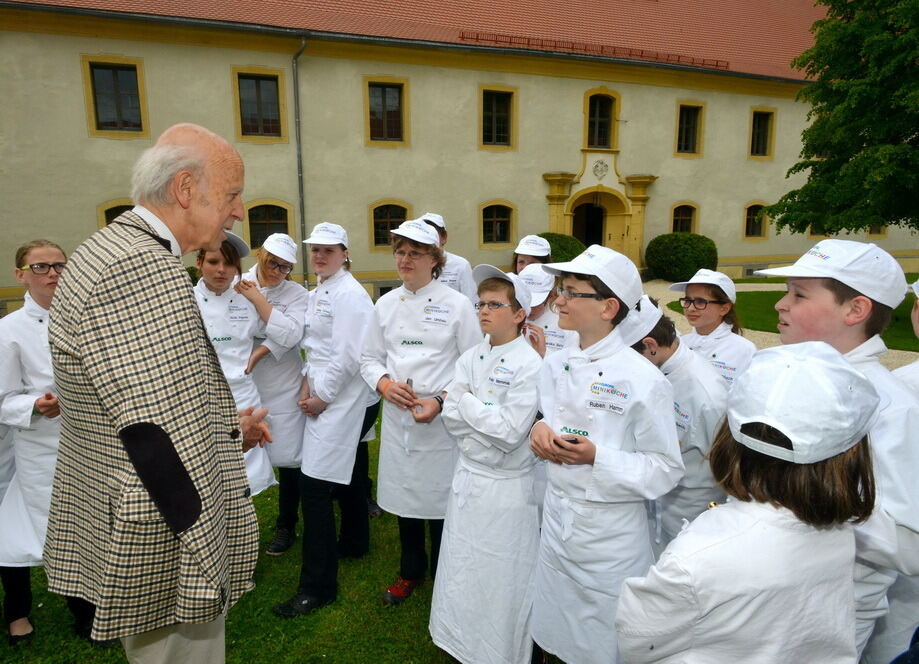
column 356, row 629
column 756, row 310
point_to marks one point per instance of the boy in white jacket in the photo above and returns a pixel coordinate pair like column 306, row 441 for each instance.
column 484, row 586
column 843, row 292
column 611, row 445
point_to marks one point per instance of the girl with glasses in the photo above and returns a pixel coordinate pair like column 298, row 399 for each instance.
column 708, row 303
column 29, row 407
column 276, row 365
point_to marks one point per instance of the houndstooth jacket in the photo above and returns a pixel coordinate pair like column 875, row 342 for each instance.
column 150, row 518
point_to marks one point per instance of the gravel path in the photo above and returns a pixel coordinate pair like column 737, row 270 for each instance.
column 659, row 289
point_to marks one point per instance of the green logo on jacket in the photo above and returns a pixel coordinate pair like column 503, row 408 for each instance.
column 577, row 432
column 407, row 342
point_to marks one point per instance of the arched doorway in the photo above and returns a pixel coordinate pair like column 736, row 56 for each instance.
column 588, row 223
column 599, row 215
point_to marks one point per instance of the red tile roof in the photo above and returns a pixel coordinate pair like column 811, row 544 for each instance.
column 758, row 37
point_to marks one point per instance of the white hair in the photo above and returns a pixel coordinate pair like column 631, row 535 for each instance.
column 157, row 166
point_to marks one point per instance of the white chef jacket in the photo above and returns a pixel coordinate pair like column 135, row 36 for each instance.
column 7, row 460
column 484, row 587
column 232, row 323
column 910, row 376
column 883, row 552
column 457, row 274
column 278, row 374
column 337, row 318
column 556, row 337
column 699, row 404
column 595, row 525
column 729, row 353
column 417, row 335
column 26, row 375
column 745, row 582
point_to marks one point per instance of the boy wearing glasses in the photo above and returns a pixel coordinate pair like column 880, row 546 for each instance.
column 609, row 449
column 484, row 587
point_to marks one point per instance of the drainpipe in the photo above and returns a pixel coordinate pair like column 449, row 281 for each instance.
column 299, row 147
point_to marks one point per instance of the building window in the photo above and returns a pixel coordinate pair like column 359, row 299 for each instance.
column 761, row 134
column 265, row 220
column 385, row 112
column 259, row 107
column 496, row 224
column 754, row 223
column 112, row 213
column 497, row 118
column 600, row 121
column 386, row 218
column 877, row 229
column 683, row 217
column 114, row 91
column 689, row 126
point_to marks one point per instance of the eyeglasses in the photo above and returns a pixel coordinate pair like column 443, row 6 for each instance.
column 283, row 268
column 44, row 268
column 698, row 302
column 568, row 295
column 411, row 255
column 492, row 306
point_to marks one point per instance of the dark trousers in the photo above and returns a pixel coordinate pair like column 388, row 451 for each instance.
column 319, row 568
column 17, row 593
column 414, row 562
column 288, row 497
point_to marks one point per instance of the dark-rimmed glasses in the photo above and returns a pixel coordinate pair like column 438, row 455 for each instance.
column 698, row 302
column 569, row 295
column 44, row 268
column 283, row 268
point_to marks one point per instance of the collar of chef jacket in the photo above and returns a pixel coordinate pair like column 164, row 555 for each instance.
column 333, row 279
column 33, row 309
column 867, row 351
column 424, row 290
column 227, row 293
column 679, row 358
column 611, row 343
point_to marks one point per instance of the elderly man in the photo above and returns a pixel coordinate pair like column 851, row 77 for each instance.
column 150, row 513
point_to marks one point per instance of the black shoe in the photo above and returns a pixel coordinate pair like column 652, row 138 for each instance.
column 348, row 552
column 300, row 604
column 21, row 639
column 283, row 539
column 373, row 510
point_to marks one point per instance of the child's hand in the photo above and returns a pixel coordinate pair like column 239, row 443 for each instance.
column 541, row 438
column 580, row 453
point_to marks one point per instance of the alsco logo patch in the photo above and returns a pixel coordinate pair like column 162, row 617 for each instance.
column 577, row 432
column 608, row 390
column 216, row 339
column 409, row 342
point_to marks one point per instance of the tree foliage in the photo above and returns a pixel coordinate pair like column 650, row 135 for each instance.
column 861, row 149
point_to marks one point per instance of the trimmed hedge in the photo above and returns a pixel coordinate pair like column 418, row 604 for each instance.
column 678, row 256
column 564, row 247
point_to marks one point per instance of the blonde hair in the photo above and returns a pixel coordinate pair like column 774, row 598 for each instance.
column 261, row 257
column 24, row 250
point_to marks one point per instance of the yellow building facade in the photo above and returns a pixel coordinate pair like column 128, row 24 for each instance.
column 501, row 144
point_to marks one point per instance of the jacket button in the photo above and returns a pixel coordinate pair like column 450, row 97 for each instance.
column 247, row 492
column 234, row 434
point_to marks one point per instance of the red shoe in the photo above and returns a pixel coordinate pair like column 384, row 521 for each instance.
column 400, row 590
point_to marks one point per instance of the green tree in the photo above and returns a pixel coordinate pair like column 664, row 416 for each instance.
column 861, row 149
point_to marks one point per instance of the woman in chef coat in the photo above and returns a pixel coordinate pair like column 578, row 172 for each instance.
column 340, row 408
column 276, row 365
column 768, row 576
column 29, row 407
column 417, row 333
column 232, row 323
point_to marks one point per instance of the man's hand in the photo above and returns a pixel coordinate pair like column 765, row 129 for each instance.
column 425, row 410
column 256, row 357
column 254, row 429
column 47, row 405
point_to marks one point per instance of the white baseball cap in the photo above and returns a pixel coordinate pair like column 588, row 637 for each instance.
column 640, row 321
column 538, row 281
column 810, row 393
column 417, row 230
column 712, row 278
column 435, row 219
column 238, row 243
column 327, row 233
column 281, row 246
column 533, row 245
column 862, row 266
column 612, row 268
column 521, row 291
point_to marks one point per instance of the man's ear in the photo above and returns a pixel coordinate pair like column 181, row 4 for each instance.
column 858, row 309
column 610, row 308
column 183, row 187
